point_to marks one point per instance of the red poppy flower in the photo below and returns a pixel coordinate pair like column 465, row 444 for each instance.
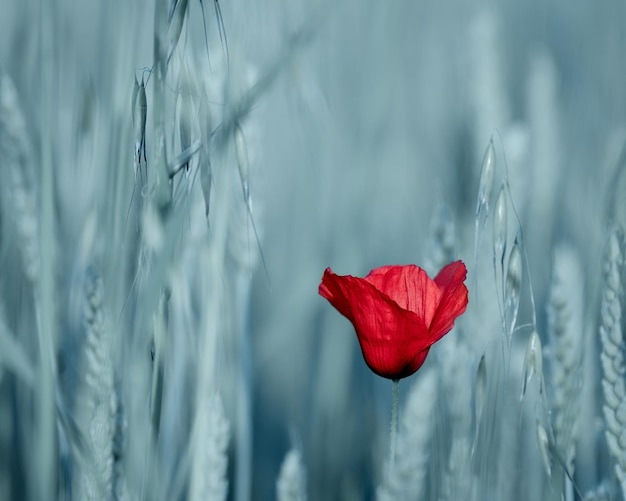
column 398, row 312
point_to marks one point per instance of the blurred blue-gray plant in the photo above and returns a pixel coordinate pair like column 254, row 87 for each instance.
column 176, row 175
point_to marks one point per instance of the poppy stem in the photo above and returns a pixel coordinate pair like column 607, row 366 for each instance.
column 394, row 421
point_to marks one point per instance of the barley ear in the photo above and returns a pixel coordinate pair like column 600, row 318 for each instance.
column 544, row 447
column 480, row 394
column 485, row 187
column 483, row 199
column 512, row 288
column 500, row 227
column 140, row 111
column 533, row 364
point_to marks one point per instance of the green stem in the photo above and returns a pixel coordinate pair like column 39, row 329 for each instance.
column 394, row 421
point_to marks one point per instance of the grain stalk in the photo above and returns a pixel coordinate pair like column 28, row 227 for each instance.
column 612, row 357
column 98, row 396
column 209, row 480
column 18, row 190
column 565, row 331
column 406, row 479
column 291, row 482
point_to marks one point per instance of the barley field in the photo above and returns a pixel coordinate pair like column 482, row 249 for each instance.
column 175, row 177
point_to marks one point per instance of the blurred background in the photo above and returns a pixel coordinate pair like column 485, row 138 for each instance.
column 365, row 144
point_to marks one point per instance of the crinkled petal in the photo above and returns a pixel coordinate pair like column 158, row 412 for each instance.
column 393, row 340
column 453, row 299
column 410, row 287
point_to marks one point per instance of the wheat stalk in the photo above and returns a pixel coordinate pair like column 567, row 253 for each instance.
column 20, row 199
column 209, row 480
column 599, row 494
column 455, row 376
column 98, row 398
column 291, row 482
column 407, row 478
column 565, row 331
column 612, row 358
column 16, row 165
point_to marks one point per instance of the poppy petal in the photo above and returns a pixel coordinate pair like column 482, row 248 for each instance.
column 418, row 361
column 331, row 290
column 410, row 287
column 393, row 340
column 453, row 300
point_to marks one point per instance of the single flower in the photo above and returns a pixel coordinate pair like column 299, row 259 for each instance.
column 398, row 312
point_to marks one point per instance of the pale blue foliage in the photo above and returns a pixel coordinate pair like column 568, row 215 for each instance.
column 365, row 124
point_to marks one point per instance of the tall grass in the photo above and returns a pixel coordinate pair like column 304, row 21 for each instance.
column 177, row 174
